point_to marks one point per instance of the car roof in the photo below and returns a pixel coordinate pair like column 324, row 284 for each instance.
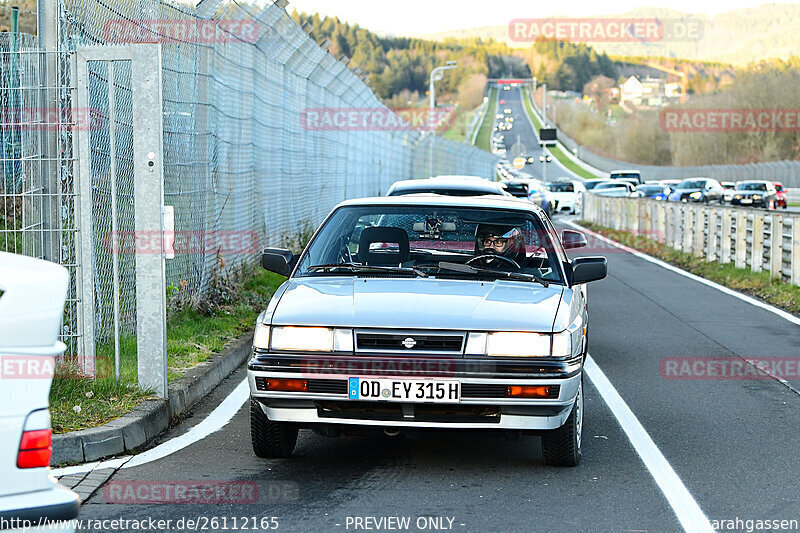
column 427, row 199
column 449, row 182
column 629, row 170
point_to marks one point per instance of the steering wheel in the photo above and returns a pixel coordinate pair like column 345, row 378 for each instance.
column 486, row 257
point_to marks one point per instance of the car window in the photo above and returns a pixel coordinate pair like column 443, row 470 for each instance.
column 692, row 184
column 752, row 186
column 422, row 236
column 561, row 187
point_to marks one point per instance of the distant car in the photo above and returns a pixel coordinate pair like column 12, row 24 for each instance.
column 31, row 307
column 499, row 116
column 591, row 184
column 633, row 174
column 448, row 186
column 654, row 191
column 507, row 111
column 780, row 199
column 755, row 193
column 728, row 191
column 540, row 195
column 699, row 190
column 545, row 158
column 506, row 88
column 618, row 189
column 567, row 195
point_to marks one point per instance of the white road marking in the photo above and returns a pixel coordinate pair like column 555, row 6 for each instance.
column 780, row 312
column 683, row 504
column 215, row 421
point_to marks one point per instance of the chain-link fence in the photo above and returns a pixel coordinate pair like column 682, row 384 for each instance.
column 240, row 156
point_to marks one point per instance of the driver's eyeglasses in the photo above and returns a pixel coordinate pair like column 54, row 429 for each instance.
column 489, row 241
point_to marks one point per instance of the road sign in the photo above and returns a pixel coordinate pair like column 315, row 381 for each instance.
column 519, row 163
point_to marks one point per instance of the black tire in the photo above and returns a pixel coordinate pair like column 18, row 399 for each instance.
column 270, row 439
column 562, row 446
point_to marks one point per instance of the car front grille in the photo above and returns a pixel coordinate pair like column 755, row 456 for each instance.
column 409, row 342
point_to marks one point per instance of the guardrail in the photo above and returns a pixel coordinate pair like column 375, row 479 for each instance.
column 763, row 241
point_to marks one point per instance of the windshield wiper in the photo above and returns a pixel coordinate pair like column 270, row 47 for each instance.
column 354, row 267
column 517, row 276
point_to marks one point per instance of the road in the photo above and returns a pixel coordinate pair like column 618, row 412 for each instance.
column 523, row 134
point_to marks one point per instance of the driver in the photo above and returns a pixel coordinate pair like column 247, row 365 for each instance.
column 505, row 241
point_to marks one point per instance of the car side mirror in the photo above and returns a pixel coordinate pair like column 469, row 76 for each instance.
column 278, row 261
column 588, row 269
column 571, row 239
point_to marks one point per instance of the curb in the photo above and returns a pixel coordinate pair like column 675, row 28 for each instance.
column 151, row 417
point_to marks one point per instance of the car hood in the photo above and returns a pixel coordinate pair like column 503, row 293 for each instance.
column 418, row 303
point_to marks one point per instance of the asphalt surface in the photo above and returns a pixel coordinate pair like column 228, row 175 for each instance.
column 733, row 443
column 522, row 134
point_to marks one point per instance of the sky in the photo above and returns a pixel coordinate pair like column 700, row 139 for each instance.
column 429, row 16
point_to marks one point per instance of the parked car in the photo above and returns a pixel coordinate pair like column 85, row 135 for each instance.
column 32, row 296
column 755, row 193
column 539, row 195
column 702, row 190
column 591, row 184
column 780, row 198
column 617, row 188
column 518, row 189
column 568, row 194
column 438, row 312
column 654, row 191
column 626, row 174
column 449, row 186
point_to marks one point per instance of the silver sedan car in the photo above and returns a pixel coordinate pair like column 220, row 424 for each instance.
column 426, row 311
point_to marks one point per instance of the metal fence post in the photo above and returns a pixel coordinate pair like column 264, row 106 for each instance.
column 725, row 239
column 741, row 239
column 757, row 254
column 796, row 250
column 776, row 247
column 699, row 231
column 711, row 248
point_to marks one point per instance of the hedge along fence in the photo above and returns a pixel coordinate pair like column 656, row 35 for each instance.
column 750, row 238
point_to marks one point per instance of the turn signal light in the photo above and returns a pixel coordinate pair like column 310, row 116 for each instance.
column 521, row 391
column 287, row 385
column 35, row 449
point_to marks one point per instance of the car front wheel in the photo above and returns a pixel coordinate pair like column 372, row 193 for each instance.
column 270, row 439
column 562, row 446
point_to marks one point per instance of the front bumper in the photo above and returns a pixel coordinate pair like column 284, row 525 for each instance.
column 761, row 202
column 484, row 403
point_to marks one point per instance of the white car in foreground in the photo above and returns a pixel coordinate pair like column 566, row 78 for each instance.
column 32, row 295
column 567, row 195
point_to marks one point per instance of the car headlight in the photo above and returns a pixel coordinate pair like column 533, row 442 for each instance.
column 508, row 344
column 738, row 197
column 756, row 197
column 696, row 195
column 311, row 339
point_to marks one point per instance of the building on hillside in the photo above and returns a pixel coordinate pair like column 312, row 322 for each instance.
column 649, row 92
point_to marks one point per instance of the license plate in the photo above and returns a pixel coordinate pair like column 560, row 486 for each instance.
column 747, row 201
column 404, row 390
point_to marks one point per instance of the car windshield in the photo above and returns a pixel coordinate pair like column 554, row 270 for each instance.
column 561, row 187
column 692, row 184
column 617, row 175
column 752, row 187
column 591, row 184
column 416, row 240
column 779, row 187
column 611, row 186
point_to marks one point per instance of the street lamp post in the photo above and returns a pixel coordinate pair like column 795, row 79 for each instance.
column 436, row 75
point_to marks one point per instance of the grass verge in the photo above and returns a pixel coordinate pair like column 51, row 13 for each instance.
column 760, row 285
column 193, row 333
column 483, row 141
